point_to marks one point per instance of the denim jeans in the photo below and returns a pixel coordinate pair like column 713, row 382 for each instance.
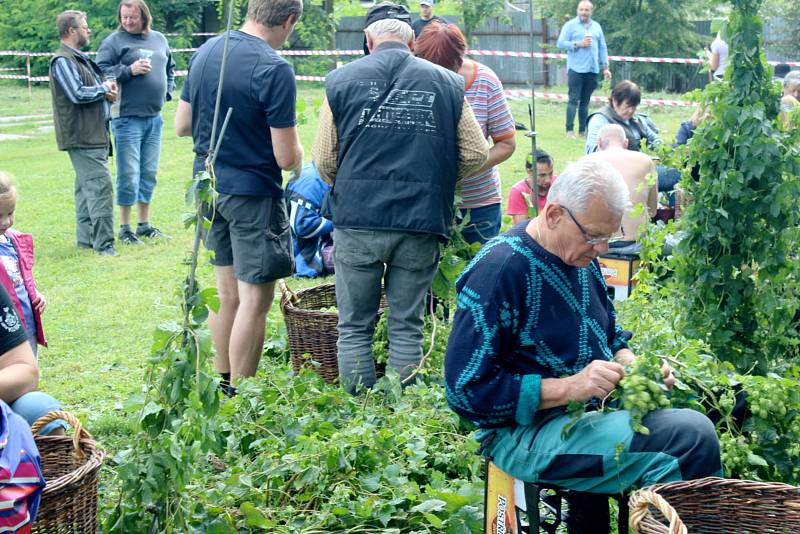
column 34, row 405
column 138, row 144
column 580, row 86
column 668, row 178
column 631, row 248
column 484, row 223
column 405, row 263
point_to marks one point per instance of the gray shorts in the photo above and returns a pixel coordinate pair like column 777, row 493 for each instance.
column 252, row 234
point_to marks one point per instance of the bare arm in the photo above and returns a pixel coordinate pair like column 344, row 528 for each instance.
column 287, row 148
column 183, row 119
column 18, row 373
column 516, row 219
column 501, row 150
column 714, row 61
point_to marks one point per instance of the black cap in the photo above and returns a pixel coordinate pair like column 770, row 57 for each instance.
column 385, row 10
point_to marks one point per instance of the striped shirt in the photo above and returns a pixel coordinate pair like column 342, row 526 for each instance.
column 485, row 95
column 21, row 478
column 66, row 73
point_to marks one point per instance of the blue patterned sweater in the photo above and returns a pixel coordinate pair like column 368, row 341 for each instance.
column 523, row 315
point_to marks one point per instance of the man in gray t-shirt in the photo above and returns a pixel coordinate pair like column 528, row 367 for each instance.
column 140, row 60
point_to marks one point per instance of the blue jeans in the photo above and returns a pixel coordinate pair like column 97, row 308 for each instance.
column 405, row 263
column 484, row 223
column 34, row 405
column 668, row 178
column 138, row 144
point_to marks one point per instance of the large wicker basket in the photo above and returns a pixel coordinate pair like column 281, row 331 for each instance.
column 716, row 505
column 311, row 332
column 70, row 465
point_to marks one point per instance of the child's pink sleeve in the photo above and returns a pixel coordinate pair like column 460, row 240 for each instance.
column 516, row 202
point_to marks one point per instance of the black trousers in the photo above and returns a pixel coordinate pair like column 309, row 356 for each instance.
column 581, row 86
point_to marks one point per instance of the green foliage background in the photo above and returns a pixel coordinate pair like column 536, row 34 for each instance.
column 736, row 270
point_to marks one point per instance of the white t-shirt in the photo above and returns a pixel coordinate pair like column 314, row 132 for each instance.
column 720, row 47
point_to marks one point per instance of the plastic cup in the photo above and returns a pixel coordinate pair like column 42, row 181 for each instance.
column 145, row 55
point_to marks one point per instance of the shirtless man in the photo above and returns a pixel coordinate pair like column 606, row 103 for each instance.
column 637, row 169
column 791, row 96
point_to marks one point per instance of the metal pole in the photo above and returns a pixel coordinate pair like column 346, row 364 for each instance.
column 212, row 142
column 532, row 113
column 28, row 74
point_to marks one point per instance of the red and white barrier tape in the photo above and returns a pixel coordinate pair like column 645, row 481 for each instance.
column 522, row 93
column 514, row 93
column 501, row 53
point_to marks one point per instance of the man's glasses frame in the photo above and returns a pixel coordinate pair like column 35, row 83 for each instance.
column 593, row 241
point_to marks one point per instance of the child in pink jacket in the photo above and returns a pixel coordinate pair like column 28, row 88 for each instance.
column 16, row 267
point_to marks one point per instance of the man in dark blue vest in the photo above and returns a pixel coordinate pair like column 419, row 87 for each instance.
column 395, row 135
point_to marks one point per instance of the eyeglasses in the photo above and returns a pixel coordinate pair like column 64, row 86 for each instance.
column 593, row 241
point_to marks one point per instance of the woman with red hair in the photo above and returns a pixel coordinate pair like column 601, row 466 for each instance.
column 445, row 45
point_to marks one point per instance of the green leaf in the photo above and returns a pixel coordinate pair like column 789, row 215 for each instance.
column 151, row 408
column 433, row 520
column 210, row 298
column 431, row 505
column 254, row 518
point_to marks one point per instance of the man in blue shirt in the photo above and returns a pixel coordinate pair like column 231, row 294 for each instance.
column 249, row 232
column 587, row 55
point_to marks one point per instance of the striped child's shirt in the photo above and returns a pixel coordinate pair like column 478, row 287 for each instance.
column 21, row 478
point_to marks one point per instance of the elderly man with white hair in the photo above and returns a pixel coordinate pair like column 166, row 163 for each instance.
column 791, row 96
column 395, row 135
column 534, row 330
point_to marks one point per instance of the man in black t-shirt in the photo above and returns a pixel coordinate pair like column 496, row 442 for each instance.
column 19, row 374
column 426, row 16
column 249, row 232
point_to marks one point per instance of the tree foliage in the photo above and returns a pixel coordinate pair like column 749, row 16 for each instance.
column 475, row 12
column 735, row 269
column 31, row 25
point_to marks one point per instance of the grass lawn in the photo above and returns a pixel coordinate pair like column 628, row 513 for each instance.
column 102, row 311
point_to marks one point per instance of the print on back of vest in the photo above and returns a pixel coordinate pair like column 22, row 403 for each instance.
column 404, row 110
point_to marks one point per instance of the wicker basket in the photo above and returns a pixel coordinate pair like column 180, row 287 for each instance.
column 70, row 465
column 312, row 333
column 716, row 505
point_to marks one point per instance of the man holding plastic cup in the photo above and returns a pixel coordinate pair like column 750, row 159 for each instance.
column 140, row 59
column 587, row 55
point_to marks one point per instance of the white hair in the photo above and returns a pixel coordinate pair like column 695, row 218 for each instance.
column 396, row 28
column 608, row 133
column 791, row 80
column 589, row 178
